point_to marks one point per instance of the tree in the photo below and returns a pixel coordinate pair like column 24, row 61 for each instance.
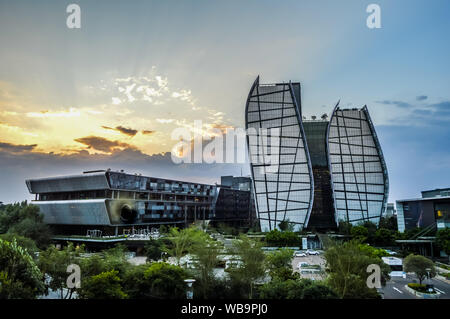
column 279, row 264
column 346, row 264
column 25, row 220
column 106, row 285
column 206, row 252
column 388, row 223
column 344, row 227
column 24, row 242
column 183, row 240
column 165, row 281
column 443, row 240
column 251, row 267
column 286, row 225
column 153, row 249
column 20, row 278
column 421, row 266
column 285, row 238
column 359, row 232
column 53, row 263
column 296, row 289
column 384, row 237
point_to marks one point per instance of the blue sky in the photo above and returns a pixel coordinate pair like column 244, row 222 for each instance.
column 61, row 91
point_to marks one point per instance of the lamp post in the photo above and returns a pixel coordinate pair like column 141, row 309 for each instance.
column 189, row 290
column 430, row 289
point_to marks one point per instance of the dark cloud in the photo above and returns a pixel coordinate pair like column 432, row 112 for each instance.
column 15, row 148
column 102, row 144
column 123, row 130
column 441, row 109
column 421, row 98
column 397, row 103
column 16, row 168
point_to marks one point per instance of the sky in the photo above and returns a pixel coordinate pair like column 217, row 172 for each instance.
column 110, row 94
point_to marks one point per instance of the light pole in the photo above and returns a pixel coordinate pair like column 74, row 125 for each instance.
column 428, row 277
column 189, row 290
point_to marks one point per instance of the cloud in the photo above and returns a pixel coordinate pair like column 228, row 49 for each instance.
column 16, row 168
column 102, row 144
column 15, row 148
column 123, row 130
column 421, row 98
column 397, row 103
column 147, row 132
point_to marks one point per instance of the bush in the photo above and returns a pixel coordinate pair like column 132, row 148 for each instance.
column 20, row 278
column 285, row 238
column 420, row 288
column 103, row 286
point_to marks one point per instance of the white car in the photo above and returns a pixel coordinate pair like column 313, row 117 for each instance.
column 312, row 252
column 299, row 254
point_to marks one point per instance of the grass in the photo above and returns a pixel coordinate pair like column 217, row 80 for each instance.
column 420, row 288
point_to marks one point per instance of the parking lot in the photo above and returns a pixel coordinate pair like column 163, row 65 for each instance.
column 311, row 260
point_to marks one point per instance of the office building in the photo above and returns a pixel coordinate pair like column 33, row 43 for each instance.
column 432, row 210
column 114, row 202
column 312, row 173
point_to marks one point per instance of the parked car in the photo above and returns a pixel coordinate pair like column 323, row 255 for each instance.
column 299, row 254
column 312, row 252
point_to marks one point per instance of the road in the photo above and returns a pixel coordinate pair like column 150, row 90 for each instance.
column 395, row 288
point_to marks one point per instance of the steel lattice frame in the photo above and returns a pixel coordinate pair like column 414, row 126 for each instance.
column 359, row 175
column 286, row 194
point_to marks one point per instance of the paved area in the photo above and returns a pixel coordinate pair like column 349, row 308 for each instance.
column 310, row 260
column 395, row 288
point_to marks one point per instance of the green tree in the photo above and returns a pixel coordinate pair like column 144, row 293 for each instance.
column 279, row 264
column 153, row 249
column 296, row 289
column 251, row 267
column 419, row 265
column 443, row 240
column 25, row 220
column 285, row 238
column 360, row 233
column 106, row 285
column 20, row 278
column 165, row 281
column 206, row 252
column 24, row 242
column 384, row 237
column 388, row 223
column 344, row 227
column 53, row 262
column 286, row 225
column 346, row 264
column 183, row 240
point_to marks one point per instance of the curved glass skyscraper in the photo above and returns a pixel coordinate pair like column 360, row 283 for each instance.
column 358, row 170
column 280, row 164
column 341, row 175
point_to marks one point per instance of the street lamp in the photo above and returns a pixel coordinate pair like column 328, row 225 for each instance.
column 189, row 290
column 430, row 289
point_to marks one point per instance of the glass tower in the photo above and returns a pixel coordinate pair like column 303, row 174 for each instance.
column 312, row 173
column 279, row 157
column 358, row 171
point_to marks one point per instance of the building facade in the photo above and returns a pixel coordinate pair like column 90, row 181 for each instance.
column 322, row 172
column 115, row 201
column 280, row 164
column 432, row 210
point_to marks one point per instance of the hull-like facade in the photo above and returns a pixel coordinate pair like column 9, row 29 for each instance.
column 359, row 175
column 279, row 157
